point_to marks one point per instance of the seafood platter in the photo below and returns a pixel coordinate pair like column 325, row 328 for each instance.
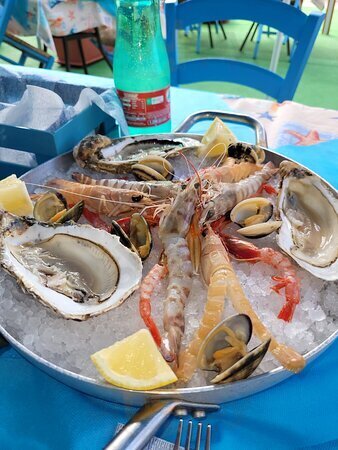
column 172, row 266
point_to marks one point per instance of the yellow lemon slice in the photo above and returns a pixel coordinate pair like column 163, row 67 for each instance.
column 134, row 363
column 216, row 140
column 14, row 197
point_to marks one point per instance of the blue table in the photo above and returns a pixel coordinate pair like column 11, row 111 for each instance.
column 37, row 412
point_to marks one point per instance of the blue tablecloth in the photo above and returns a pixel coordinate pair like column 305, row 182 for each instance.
column 37, row 412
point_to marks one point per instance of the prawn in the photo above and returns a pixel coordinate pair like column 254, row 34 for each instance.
column 173, row 229
column 147, row 287
column 245, row 251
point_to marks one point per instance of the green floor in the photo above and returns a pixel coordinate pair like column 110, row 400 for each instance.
column 318, row 86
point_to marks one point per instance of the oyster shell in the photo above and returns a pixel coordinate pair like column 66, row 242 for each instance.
column 308, row 209
column 103, row 154
column 77, row 270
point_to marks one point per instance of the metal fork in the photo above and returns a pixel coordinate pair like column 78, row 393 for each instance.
column 187, row 445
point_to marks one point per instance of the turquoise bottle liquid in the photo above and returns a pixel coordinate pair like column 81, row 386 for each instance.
column 141, row 67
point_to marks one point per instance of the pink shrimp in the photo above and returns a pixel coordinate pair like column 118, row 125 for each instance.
column 147, row 287
column 245, row 251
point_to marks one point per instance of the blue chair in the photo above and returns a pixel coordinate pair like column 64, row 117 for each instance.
column 291, row 21
column 260, row 31
column 27, row 50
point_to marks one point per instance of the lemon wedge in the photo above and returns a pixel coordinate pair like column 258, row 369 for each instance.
column 216, row 140
column 14, row 197
column 134, row 363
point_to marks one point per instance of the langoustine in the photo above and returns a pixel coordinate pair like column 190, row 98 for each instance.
column 288, row 357
column 104, row 200
column 173, row 230
column 214, row 261
column 231, row 171
column 245, row 251
column 159, row 189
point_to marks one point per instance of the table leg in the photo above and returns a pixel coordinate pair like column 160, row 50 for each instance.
column 247, row 36
column 83, row 59
column 65, row 50
column 328, row 17
column 277, row 47
column 210, row 35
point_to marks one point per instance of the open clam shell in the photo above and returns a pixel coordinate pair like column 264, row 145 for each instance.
column 239, row 324
column 252, row 211
column 245, row 366
column 260, row 229
column 153, row 168
column 48, row 205
column 246, row 152
column 140, row 235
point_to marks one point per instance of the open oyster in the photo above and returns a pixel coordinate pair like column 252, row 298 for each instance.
column 102, row 154
column 77, row 270
column 309, row 212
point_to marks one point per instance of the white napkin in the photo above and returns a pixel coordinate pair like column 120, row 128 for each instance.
column 43, row 109
column 155, row 443
column 38, row 108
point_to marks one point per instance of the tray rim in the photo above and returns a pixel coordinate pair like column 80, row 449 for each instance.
column 218, row 392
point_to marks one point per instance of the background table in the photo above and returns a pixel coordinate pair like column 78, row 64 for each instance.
column 37, row 412
column 48, row 18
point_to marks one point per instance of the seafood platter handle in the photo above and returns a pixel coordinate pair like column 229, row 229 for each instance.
column 243, row 119
column 144, row 424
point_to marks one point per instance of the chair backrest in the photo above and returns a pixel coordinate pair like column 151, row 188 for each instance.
column 6, row 8
column 291, row 21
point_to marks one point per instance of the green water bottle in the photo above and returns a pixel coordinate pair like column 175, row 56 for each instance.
column 141, row 67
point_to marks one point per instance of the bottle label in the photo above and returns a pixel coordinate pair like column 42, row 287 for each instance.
column 146, row 109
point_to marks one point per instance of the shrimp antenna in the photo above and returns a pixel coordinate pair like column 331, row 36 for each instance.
column 189, row 163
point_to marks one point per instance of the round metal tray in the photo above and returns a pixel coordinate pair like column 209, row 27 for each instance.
column 207, row 394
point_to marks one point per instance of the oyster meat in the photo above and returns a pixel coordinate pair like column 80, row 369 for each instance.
column 77, row 270
column 308, row 209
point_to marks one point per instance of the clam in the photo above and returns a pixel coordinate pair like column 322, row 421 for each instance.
column 117, row 230
column 246, row 152
column 140, row 235
column 252, row 211
column 77, row 270
column 103, row 154
column 73, row 214
column 48, row 205
column 253, row 214
column 224, row 350
column 308, row 209
column 245, row 366
column 153, row 168
column 260, row 230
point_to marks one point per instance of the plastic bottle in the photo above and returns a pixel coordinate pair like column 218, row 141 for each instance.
column 141, row 67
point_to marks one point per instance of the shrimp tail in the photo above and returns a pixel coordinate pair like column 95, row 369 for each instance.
column 286, row 313
column 292, row 296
